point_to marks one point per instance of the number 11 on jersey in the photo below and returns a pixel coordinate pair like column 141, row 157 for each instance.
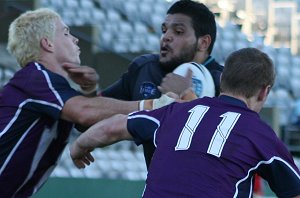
column 219, row 137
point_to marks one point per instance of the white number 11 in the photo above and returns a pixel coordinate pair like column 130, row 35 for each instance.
column 219, row 137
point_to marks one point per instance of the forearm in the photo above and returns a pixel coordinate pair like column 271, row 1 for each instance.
column 87, row 111
column 92, row 138
column 101, row 134
column 104, row 133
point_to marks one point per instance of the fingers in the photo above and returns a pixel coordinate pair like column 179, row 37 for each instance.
column 80, row 157
column 85, row 76
column 161, row 89
column 80, row 69
column 189, row 73
column 175, row 83
column 83, row 161
column 89, row 157
column 73, row 68
column 79, row 164
column 69, row 65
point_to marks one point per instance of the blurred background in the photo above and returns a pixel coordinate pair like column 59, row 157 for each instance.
column 112, row 32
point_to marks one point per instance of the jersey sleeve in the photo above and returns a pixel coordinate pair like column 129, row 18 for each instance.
column 142, row 125
column 281, row 173
column 282, row 178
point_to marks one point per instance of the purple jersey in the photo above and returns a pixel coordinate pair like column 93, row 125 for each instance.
column 212, row 147
column 32, row 135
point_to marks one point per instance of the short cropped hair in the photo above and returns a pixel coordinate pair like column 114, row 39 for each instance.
column 26, row 32
column 246, row 71
column 203, row 20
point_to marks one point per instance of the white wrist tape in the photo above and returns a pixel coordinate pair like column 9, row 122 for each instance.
column 162, row 101
column 141, row 105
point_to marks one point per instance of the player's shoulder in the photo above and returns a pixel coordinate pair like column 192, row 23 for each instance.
column 145, row 59
column 214, row 66
column 31, row 70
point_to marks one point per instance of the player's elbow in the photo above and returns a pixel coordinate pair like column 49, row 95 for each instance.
column 85, row 117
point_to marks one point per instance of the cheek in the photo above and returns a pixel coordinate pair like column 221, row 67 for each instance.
column 182, row 48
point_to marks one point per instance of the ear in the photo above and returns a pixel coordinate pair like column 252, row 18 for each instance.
column 46, row 45
column 264, row 92
column 204, row 42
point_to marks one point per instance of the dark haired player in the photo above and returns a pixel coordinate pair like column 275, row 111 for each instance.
column 188, row 35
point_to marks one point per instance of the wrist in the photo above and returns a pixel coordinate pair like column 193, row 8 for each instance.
column 146, row 104
column 155, row 103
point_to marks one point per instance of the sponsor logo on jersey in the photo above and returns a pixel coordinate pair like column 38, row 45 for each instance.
column 148, row 90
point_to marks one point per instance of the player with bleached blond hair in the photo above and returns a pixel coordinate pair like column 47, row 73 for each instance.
column 38, row 108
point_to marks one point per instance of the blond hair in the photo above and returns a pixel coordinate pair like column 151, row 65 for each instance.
column 26, row 32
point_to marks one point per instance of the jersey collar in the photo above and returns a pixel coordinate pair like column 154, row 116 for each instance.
column 233, row 101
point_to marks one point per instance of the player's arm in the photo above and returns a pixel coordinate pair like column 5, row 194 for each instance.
column 86, row 77
column 101, row 134
column 87, row 111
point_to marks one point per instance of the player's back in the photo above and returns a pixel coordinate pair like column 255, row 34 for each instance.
column 210, row 148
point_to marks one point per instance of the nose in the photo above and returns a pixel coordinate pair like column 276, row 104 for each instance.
column 76, row 40
column 166, row 37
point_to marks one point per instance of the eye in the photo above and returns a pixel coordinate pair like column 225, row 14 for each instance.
column 179, row 32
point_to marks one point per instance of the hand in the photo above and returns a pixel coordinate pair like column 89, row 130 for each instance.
column 84, row 76
column 81, row 157
column 176, row 83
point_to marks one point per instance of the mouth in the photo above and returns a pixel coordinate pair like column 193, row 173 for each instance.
column 164, row 50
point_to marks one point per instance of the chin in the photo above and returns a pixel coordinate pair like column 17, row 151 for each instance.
column 164, row 60
column 78, row 61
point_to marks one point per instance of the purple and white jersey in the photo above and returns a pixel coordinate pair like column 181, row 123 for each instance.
column 212, row 147
column 32, row 135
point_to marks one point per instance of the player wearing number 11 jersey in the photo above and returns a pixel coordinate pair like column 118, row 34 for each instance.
column 209, row 147
column 212, row 147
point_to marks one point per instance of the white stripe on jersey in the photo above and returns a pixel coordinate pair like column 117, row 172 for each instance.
column 148, row 118
column 45, row 141
column 17, row 145
column 262, row 162
column 50, row 84
column 12, row 121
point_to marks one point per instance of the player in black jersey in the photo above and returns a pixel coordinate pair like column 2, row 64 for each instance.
column 188, row 34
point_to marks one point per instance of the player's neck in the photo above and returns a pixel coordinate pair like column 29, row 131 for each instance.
column 53, row 66
column 200, row 58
